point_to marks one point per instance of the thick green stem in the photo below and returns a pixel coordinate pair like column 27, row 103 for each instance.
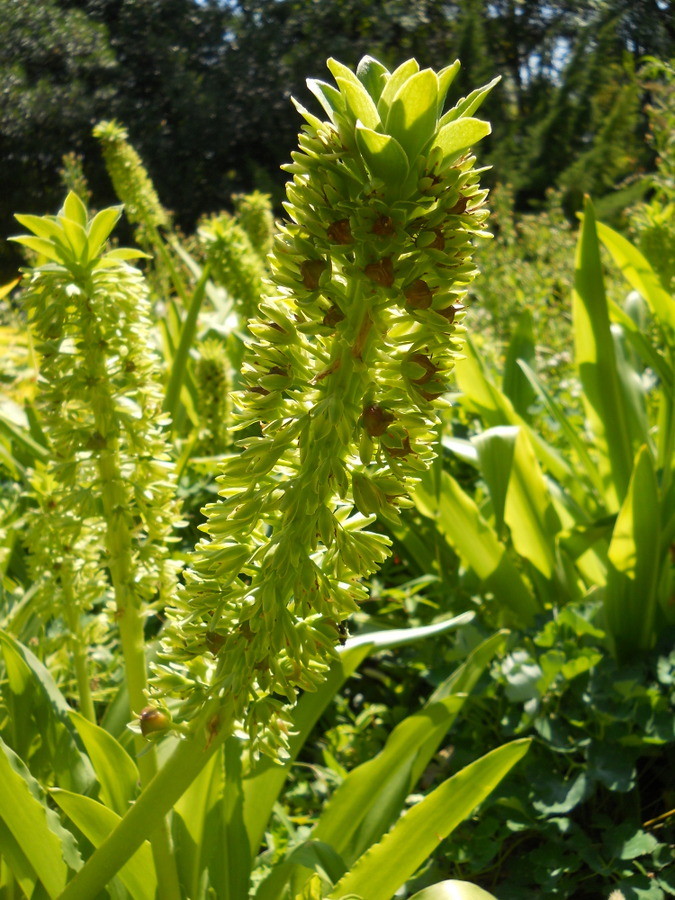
column 148, row 812
column 130, row 624
column 77, row 646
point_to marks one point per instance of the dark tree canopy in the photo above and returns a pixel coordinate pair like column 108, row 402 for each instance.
column 204, row 87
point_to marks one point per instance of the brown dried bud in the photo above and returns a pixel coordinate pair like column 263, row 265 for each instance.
column 399, row 452
column 376, row 420
column 381, row 272
column 340, row 232
column 214, row 641
column 384, row 226
column 419, row 295
column 153, row 721
column 311, row 271
column 333, row 316
column 429, row 368
column 459, row 207
column 439, row 242
column 450, row 312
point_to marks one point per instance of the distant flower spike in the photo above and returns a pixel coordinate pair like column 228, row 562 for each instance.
column 346, row 366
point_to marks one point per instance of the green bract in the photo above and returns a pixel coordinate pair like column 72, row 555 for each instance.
column 347, row 362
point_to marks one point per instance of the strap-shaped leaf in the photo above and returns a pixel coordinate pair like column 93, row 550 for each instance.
column 359, row 103
column 43, row 841
column 101, row 226
column 96, row 822
column 445, row 78
column 75, row 210
column 373, row 76
column 469, row 104
column 116, row 771
column 380, row 872
column 329, row 97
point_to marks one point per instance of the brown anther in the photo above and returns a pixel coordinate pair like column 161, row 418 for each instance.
column 340, row 232
column 418, row 295
column 96, row 442
column 333, row 317
column 383, row 226
column 429, row 368
column 430, row 396
column 277, row 370
column 311, row 271
column 376, row 420
column 381, row 272
column 276, row 326
column 260, row 390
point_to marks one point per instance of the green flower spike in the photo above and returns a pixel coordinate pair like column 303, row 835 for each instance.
column 345, row 368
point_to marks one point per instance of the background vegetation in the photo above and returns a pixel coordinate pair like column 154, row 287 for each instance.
column 548, row 521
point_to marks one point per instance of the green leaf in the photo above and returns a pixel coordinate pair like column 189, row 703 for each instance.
column 412, row 114
column 380, row 872
column 469, row 104
column 42, row 226
column 101, row 227
column 529, row 512
column 445, row 78
column 596, row 360
column 371, row 796
column 40, row 245
column 329, row 97
column 359, row 102
column 456, row 137
column 35, row 828
column 124, row 253
column 521, row 349
column 50, row 711
column 458, row 518
column 373, row 76
column 453, row 890
column 75, row 210
column 383, row 155
column 396, row 81
column 636, row 559
column 640, row 275
column 96, row 823
column 77, row 239
column 116, row 771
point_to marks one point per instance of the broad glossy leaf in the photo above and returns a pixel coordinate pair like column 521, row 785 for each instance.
column 101, row 227
column 380, row 872
column 445, row 78
column 16, row 861
column 596, row 360
column 412, row 114
column 75, row 210
column 51, row 713
column 76, row 236
column 453, row 890
column 373, row 76
column 329, row 97
column 42, row 226
column 359, row 102
column 116, row 771
column 96, row 822
column 636, row 559
column 40, row 245
column 456, row 137
column 373, row 794
column 640, row 275
column 36, row 829
column 398, row 78
column 383, row 155
column 458, row 518
column 495, row 449
column 124, row 253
